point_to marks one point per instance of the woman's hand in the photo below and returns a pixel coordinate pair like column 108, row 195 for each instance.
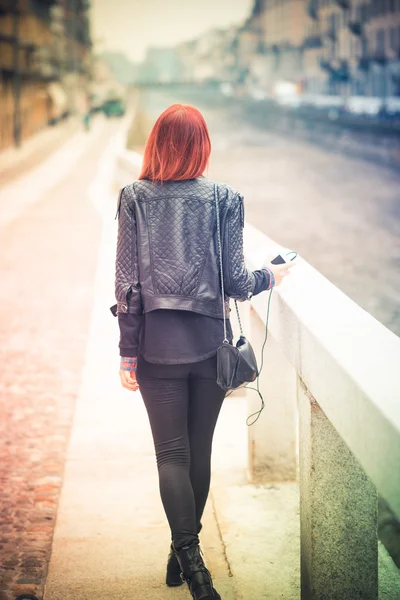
column 128, row 380
column 127, row 373
column 280, row 271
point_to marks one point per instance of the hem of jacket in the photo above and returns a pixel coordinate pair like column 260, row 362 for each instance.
column 178, row 361
column 188, row 304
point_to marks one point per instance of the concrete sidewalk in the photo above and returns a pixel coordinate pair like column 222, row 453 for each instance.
column 37, row 148
column 31, row 185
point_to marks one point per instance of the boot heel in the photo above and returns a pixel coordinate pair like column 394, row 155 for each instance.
column 174, row 576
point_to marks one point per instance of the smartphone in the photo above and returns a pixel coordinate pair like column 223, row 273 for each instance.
column 280, row 260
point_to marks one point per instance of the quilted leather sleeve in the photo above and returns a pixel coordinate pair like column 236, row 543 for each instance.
column 127, row 286
column 239, row 281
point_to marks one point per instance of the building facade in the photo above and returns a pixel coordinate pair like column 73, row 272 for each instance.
column 336, row 50
column 380, row 43
column 210, row 57
column 44, row 59
column 284, row 24
column 334, row 47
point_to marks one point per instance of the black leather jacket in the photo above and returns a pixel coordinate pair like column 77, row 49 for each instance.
column 167, row 249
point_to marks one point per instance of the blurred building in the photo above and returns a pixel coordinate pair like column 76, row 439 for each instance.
column 209, row 57
column 206, row 58
column 361, row 47
column 283, row 25
column 104, row 84
column 44, row 64
column 188, row 55
column 336, row 47
column 250, row 59
column 336, row 51
column 161, row 65
column 324, row 48
column 378, row 47
column 122, row 68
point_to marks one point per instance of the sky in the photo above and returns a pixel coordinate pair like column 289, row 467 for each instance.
column 129, row 26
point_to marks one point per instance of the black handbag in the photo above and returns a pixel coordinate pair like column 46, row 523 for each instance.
column 236, row 365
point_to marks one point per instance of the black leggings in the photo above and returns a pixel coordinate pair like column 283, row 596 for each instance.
column 183, row 403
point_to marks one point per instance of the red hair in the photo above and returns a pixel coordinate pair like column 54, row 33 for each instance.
column 178, row 147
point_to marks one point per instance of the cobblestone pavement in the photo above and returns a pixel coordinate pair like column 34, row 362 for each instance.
column 341, row 214
column 47, row 264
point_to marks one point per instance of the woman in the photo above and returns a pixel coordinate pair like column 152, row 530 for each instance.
column 170, row 313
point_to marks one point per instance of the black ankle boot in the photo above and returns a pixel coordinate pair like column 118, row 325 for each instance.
column 195, row 573
column 173, row 577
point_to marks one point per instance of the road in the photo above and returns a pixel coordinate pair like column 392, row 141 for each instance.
column 340, row 214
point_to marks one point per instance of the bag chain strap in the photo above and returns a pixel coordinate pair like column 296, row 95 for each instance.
column 226, row 341
column 238, row 316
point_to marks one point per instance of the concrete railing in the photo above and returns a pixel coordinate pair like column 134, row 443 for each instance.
column 332, row 418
